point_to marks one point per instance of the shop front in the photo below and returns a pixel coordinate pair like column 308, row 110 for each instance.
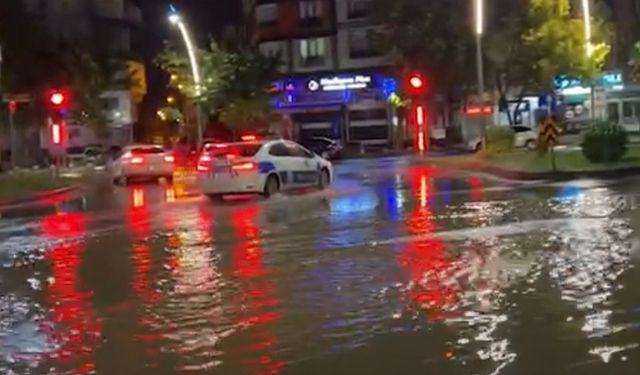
column 350, row 107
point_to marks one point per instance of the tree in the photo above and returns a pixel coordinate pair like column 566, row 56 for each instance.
column 236, row 81
column 433, row 36
column 37, row 61
column 557, row 42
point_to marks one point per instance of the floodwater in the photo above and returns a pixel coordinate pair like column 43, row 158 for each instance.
column 399, row 268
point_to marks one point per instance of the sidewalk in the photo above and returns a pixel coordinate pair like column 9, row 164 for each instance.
column 35, row 188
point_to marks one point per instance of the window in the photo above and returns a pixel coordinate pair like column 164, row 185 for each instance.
column 272, row 49
column 627, row 110
column 147, row 150
column 310, row 9
column 358, row 8
column 312, row 51
column 613, row 112
column 373, row 114
column 279, row 149
column 299, row 152
column 363, row 44
column 267, row 14
column 110, row 104
column 244, row 150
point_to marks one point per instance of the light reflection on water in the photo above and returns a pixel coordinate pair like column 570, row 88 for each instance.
column 219, row 288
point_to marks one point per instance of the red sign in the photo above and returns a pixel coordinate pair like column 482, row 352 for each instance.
column 13, row 106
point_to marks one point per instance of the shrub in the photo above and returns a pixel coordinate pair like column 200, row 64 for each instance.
column 499, row 139
column 605, row 142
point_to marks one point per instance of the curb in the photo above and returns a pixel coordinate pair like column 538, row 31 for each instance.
column 39, row 198
column 550, row 176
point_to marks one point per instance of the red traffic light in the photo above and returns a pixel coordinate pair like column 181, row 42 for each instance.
column 416, row 82
column 57, row 98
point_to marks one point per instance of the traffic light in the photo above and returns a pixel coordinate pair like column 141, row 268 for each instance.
column 416, row 84
column 57, row 99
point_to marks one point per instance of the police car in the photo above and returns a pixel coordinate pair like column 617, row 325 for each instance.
column 260, row 167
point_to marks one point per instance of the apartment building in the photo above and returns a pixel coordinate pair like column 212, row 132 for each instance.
column 338, row 78
column 115, row 26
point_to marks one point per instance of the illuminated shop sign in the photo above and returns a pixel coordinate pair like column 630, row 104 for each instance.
column 356, row 82
column 611, row 80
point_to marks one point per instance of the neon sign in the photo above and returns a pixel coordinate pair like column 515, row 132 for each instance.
column 356, row 82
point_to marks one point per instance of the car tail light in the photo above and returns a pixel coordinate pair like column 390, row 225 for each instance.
column 248, row 138
column 169, row 159
column 137, row 160
column 246, row 166
column 203, row 163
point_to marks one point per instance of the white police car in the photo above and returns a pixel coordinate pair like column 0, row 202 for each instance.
column 260, row 167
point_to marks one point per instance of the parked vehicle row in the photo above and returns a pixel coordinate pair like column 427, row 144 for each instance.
column 524, row 137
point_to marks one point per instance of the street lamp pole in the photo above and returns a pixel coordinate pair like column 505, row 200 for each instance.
column 586, row 12
column 176, row 19
column 479, row 20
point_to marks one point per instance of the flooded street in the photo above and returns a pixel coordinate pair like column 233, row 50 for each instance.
column 399, row 268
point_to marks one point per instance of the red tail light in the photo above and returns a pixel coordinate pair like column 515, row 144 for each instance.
column 169, row 159
column 248, row 138
column 137, row 160
column 248, row 166
column 203, row 163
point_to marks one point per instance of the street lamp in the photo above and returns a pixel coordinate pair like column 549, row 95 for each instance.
column 587, row 27
column 176, row 19
column 586, row 13
column 479, row 18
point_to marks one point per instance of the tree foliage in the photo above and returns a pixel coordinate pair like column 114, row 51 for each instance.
column 434, row 36
column 557, row 42
column 235, row 82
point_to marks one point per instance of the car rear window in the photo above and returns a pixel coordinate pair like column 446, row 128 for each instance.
column 147, row 150
column 242, row 150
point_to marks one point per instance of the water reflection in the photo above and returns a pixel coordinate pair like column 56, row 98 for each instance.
column 430, row 290
column 256, row 305
column 72, row 323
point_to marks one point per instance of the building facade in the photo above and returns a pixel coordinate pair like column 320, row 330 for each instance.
column 115, row 26
column 338, row 78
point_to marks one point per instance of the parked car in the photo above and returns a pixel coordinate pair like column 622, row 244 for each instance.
column 523, row 137
column 326, row 147
column 94, row 155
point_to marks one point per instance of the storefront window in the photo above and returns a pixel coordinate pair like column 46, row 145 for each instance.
column 627, row 111
column 613, row 113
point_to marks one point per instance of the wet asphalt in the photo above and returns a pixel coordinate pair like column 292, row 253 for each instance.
column 401, row 267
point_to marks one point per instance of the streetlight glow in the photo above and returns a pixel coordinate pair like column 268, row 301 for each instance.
column 174, row 18
column 480, row 17
column 587, row 26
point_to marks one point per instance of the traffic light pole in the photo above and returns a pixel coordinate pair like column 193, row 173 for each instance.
column 480, row 67
column 12, row 138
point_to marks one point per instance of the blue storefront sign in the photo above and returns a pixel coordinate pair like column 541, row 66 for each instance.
column 334, row 89
column 612, row 80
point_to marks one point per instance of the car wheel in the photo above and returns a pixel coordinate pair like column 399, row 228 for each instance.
column 324, row 179
column 271, row 187
column 531, row 144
